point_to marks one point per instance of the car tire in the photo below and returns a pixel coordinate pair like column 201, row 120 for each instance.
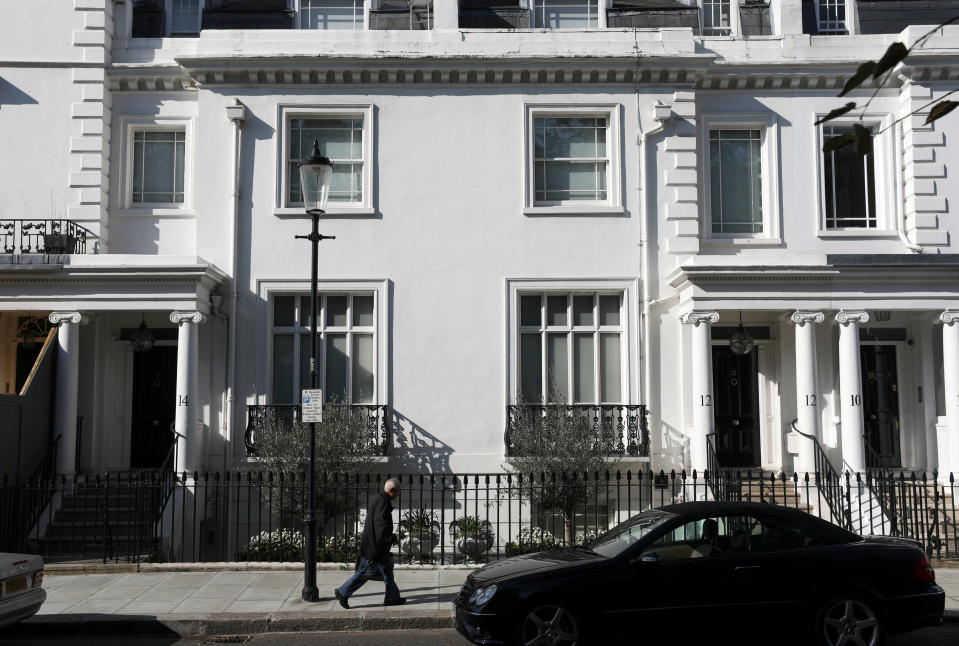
column 852, row 616
column 549, row 624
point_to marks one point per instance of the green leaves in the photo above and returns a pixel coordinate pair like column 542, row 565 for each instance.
column 838, row 112
column 863, row 72
column 896, row 53
column 940, row 110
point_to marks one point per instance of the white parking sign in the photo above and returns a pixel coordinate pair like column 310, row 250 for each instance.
column 311, row 405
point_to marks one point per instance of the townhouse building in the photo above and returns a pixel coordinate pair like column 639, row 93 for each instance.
column 621, row 205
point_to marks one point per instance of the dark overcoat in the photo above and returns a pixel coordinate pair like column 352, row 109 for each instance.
column 377, row 535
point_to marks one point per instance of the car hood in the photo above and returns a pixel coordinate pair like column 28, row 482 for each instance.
column 529, row 563
column 16, row 564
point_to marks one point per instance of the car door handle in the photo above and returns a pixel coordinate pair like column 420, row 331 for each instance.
column 746, row 567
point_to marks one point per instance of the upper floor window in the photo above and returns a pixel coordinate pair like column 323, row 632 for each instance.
column 565, row 14
column 735, row 173
column 331, row 14
column 849, row 185
column 716, row 17
column 158, row 167
column 570, row 158
column 340, row 139
column 185, row 16
column 831, row 16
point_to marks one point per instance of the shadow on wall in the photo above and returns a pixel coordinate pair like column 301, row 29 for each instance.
column 673, row 453
column 415, row 450
column 12, row 95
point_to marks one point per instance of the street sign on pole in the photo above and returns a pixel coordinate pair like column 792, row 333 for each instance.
column 311, row 405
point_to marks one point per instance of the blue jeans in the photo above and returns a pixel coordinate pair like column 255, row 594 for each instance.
column 366, row 571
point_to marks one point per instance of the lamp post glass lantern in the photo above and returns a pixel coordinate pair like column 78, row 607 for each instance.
column 316, row 174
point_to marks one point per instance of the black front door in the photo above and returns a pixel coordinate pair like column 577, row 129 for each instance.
column 154, row 399
column 881, row 405
column 736, row 406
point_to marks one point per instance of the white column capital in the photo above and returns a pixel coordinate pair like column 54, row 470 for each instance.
column 948, row 317
column 178, row 317
column 68, row 317
column 801, row 317
column 698, row 316
column 845, row 318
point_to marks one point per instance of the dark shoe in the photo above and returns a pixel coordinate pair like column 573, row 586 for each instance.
column 340, row 598
column 399, row 601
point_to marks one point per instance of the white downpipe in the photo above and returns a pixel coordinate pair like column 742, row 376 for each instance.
column 900, row 193
column 236, row 113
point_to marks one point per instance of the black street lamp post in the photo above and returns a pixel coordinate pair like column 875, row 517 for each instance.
column 316, row 174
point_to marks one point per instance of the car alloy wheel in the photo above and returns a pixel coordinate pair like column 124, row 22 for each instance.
column 549, row 626
column 849, row 622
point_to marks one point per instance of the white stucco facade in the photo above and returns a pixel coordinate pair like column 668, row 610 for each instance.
column 449, row 236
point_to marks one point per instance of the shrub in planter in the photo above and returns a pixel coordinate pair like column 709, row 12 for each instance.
column 531, row 540
column 473, row 536
column 278, row 545
column 419, row 533
column 339, row 549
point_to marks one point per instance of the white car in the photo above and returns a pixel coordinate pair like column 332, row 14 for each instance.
column 21, row 587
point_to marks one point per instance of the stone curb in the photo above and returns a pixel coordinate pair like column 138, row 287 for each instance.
column 136, row 568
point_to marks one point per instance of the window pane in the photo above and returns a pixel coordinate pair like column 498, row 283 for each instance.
column 849, row 185
column 185, row 17
column 609, row 364
column 283, row 311
column 530, row 314
column 158, row 167
column 609, row 309
column 306, row 309
column 736, row 181
column 283, row 369
column 583, row 310
column 565, row 14
column 570, row 158
column 331, row 14
column 716, row 17
column 340, row 139
column 531, row 366
column 362, row 368
column 336, row 310
column 556, row 310
column 557, row 367
column 337, row 366
column 583, row 362
column 363, row 311
column 305, row 349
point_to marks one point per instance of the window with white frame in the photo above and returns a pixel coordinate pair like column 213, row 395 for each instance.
column 331, row 14
column 185, row 16
column 849, row 184
column 346, row 350
column 570, row 158
column 716, row 17
column 831, row 16
column 736, row 180
column 571, row 347
column 158, row 166
column 565, row 14
column 341, row 138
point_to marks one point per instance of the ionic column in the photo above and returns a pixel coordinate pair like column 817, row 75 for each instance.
column 68, row 378
column 187, row 441
column 850, row 390
column 949, row 450
column 807, row 390
column 702, row 373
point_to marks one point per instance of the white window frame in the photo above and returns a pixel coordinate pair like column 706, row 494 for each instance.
column 883, row 144
column 379, row 288
column 298, row 7
column 168, row 19
column 734, row 27
column 847, row 23
column 629, row 365
column 768, row 125
column 132, row 124
column 312, row 111
column 613, row 204
column 601, row 20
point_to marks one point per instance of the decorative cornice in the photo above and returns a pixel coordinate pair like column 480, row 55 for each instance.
column 948, row 317
column 698, row 316
column 188, row 317
column 68, row 317
column 847, row 317
column 800, row 317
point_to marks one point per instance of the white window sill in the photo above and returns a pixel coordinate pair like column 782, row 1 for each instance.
column 155, row 212
column 300, row 212
column 858, row 233
column 585, row 209
column 742, row 242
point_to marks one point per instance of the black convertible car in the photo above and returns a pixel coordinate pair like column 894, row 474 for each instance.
column 712, row 566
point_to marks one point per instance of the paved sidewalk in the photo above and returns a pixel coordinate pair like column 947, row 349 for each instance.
column 248, row 602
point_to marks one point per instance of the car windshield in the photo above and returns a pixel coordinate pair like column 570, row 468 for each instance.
column 625, row 534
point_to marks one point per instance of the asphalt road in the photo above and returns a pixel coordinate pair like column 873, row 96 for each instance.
column 947, row 635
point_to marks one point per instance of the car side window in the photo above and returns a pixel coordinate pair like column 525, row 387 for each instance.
column 704, row 538
column 777, row 534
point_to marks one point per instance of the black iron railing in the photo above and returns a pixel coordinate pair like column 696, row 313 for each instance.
column 614, row 429
column 828, row 482
column 882, row 486
column 43, row 236
column 716, row 479
column 372, row 420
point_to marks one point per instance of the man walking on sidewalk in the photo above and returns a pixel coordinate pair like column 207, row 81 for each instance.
column 374, row 552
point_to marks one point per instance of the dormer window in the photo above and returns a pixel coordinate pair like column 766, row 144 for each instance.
column 565, row 14
column 331, row 14
column 185, row 17
column 716, row 17
column 831, row 16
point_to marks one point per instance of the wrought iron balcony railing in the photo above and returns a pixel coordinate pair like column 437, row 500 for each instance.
column 374, row 418
column 42, row 236
column 615, row 429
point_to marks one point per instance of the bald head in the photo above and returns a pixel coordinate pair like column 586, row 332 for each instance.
column 391, row 487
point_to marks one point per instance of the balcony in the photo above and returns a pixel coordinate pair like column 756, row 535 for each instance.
column 617, row 430
column 43, row 237
column 376, row 418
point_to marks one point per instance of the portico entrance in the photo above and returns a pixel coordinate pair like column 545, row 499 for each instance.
column 154, row 406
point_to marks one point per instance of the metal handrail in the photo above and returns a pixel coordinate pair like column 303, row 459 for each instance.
column 713, row 475
column 828, row 480
column 617, row 429
column 877, row 479
column 39, row 236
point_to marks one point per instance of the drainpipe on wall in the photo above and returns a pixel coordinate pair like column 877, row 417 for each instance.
column 661, row 113
column 237, row 114
column 900, row 191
